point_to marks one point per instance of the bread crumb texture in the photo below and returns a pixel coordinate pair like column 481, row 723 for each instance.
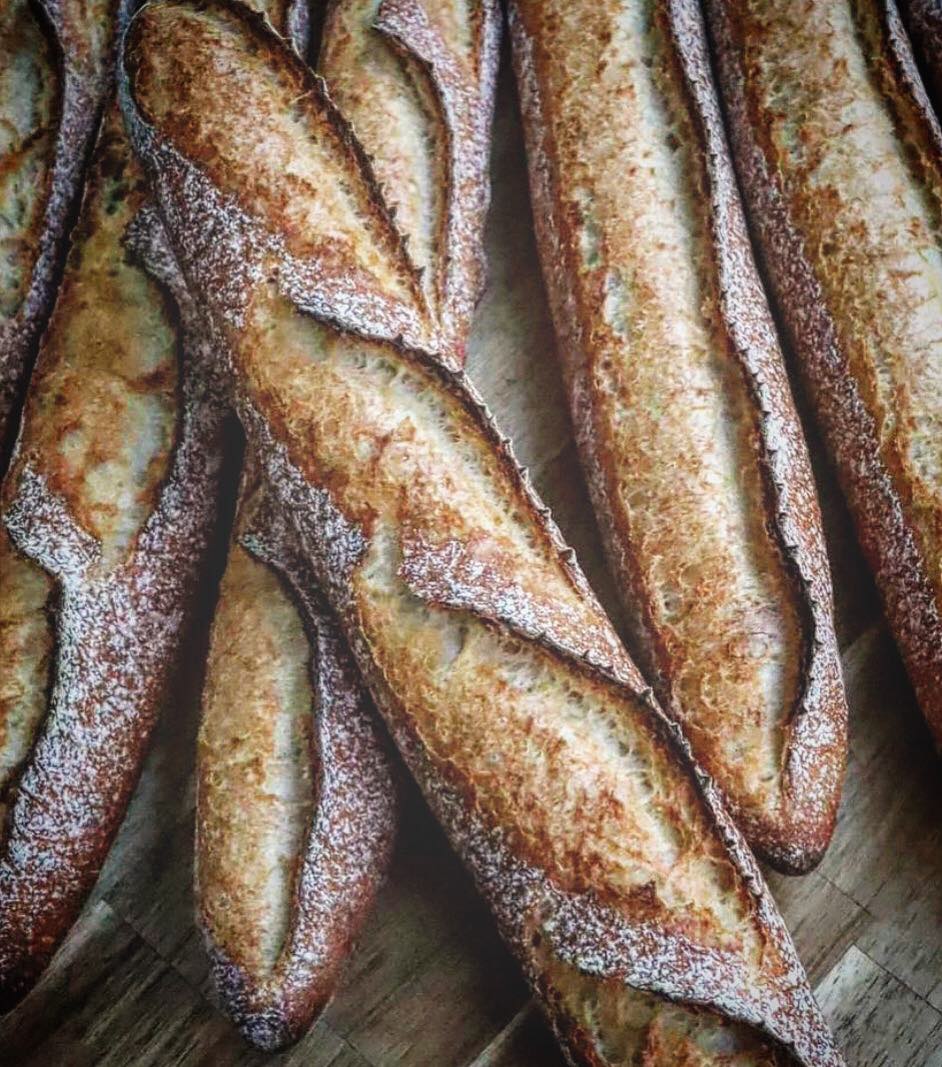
column 668, row 429
column 865, row 193
column 29, row 94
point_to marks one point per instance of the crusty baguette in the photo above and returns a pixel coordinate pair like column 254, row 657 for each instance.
column 296, row 798
column 681, row 406
column 854, row 258
column 636, row 910
column 109, row 506
column 275, row 849
column 923, row 21
column 55, row 58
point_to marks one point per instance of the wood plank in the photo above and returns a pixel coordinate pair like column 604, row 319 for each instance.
column 876, row 1019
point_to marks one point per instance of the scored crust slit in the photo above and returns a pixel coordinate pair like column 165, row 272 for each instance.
column 614, row 874
column 854, row 258
column 109, row 507
column 681, row 408
column 295, row 796
column 55, row 62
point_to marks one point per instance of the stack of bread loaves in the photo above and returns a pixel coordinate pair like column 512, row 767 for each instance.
column 282, row 266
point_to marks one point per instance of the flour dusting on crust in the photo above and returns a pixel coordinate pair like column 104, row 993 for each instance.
column 600, row 940
column 118, row 630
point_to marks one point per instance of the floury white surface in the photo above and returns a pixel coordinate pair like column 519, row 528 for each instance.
column 430, row 984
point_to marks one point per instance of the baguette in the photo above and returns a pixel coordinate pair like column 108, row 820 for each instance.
column 923, row 21
column 635, row 909
column 55, row 58
column 262, row 877
column 691, row 444
column 853, row 257
column 295, row 794
column 108, row 505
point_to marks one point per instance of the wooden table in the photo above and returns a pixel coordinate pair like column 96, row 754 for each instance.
column 430, row 985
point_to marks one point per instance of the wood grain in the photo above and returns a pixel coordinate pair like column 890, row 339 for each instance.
column 430, row 983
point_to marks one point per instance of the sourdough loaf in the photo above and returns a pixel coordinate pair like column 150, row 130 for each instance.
column 295, row 801
column 295, row 790
column 295, row 806
column 108, row 507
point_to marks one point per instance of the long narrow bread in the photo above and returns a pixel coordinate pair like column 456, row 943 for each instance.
column 55, row 57
column 682, row 409
column 854, row 256
column 109, row 505
column 923, row 21
column 295, row 809
column 681, row 406
column 277, row 849
column 638, row 914
column 296, row 797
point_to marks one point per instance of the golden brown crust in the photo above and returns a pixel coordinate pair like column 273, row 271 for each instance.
column 113, row 508
column 275, row 966
column 681, row 405
column 256, row 772
column 315, row 218
column 416, row 80
column 569, row 795
column 295, row 796
column 55, row 57
column 102, row 409
column 859, row 282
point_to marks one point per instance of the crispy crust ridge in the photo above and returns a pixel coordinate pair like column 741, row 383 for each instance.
column 458, row 670
column 790, row 821
column 443, row 87
column 863, row 434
